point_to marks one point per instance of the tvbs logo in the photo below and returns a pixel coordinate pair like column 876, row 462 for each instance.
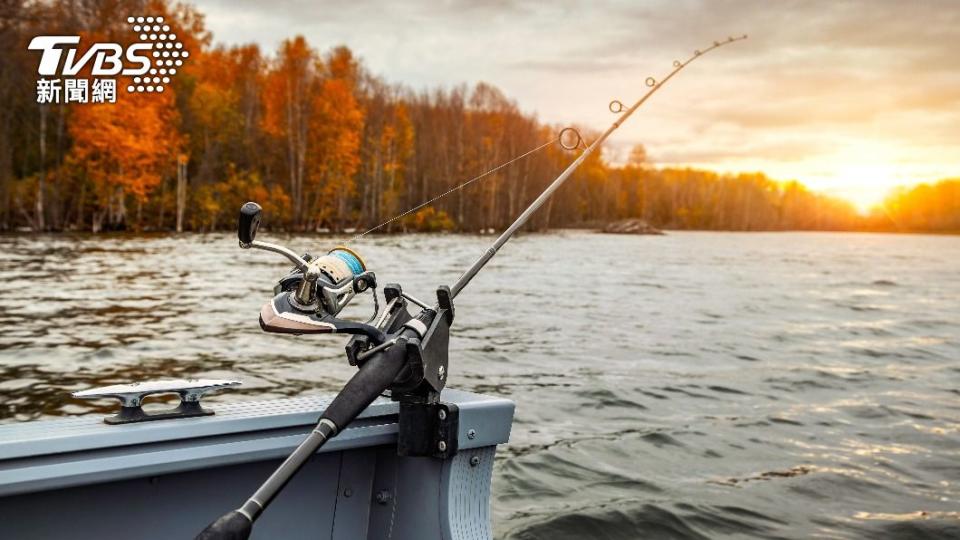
column 151, row 61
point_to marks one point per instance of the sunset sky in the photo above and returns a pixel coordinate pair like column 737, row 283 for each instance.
column 851, row 98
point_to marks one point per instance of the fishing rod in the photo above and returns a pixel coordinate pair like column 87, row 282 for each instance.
column 396, row 350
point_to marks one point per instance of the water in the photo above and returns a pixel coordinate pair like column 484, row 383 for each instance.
column 687, row 386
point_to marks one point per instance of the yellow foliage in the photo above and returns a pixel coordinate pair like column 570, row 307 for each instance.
column 429, row 219
column 215, row 205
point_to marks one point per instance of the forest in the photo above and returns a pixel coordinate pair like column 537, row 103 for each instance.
column 325, row 145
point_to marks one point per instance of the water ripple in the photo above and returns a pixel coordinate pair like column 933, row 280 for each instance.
column 784, row 385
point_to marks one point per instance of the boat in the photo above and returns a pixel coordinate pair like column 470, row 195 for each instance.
column 81, row 477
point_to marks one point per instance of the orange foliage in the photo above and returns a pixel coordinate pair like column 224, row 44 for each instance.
column 394, row 149
column 924, row 207
column 336, row 125
column 286, row 87
column 127, row 146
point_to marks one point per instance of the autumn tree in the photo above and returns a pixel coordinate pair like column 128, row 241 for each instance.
column 335, row 132
column 126, row 149
column 924, row 207
column 287, row 106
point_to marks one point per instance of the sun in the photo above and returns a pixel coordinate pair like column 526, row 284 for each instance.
column 865, row 184
column 862, row 172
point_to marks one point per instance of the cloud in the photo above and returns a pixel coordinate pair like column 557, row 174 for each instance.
column 566, row 66
column 785, row 150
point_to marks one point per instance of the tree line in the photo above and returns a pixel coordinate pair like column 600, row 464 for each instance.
column 324, row 144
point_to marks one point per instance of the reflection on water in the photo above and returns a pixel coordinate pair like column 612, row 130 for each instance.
column 693, row 385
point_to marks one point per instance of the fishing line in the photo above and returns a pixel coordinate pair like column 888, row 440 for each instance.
column 559, row 139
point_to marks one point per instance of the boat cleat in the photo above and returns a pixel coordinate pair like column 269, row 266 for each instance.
column 131, row 398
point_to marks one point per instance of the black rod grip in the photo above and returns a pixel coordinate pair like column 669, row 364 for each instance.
column 231, row 526
column 373, row 378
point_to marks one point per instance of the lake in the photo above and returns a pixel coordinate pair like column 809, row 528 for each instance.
column 690, row 385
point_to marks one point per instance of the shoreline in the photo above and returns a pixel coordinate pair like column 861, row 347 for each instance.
column 595, row 230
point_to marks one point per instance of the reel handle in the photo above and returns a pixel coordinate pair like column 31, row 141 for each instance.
column 248, row 223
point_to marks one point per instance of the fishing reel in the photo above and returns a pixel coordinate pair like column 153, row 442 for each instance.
column 308, row 300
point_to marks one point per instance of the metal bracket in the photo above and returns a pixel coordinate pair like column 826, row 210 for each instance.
column 394, row 316
column 428, row 358
column 427, row 426
column 131, row 398
column 428, row 429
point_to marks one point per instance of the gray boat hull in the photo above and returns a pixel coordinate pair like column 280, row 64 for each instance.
column 80, row 478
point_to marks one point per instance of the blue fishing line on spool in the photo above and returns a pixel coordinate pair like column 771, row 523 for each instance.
column 352, row 261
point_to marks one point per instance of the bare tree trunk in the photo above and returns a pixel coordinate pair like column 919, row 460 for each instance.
column 461, row 199
column 291, row 158
column 161, row 210
column 42, row 179
column 80, row 203
column 58, row 217
column 547, row 212
column 297, row 143
column 181, row 190
column 6, row 159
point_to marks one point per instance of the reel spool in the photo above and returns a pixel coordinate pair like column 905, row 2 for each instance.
column 340, row 263
column 342, row 274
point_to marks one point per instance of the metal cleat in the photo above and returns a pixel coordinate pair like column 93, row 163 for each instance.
column 131, row 398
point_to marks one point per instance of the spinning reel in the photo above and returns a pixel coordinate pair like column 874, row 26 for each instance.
column 308, row 300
